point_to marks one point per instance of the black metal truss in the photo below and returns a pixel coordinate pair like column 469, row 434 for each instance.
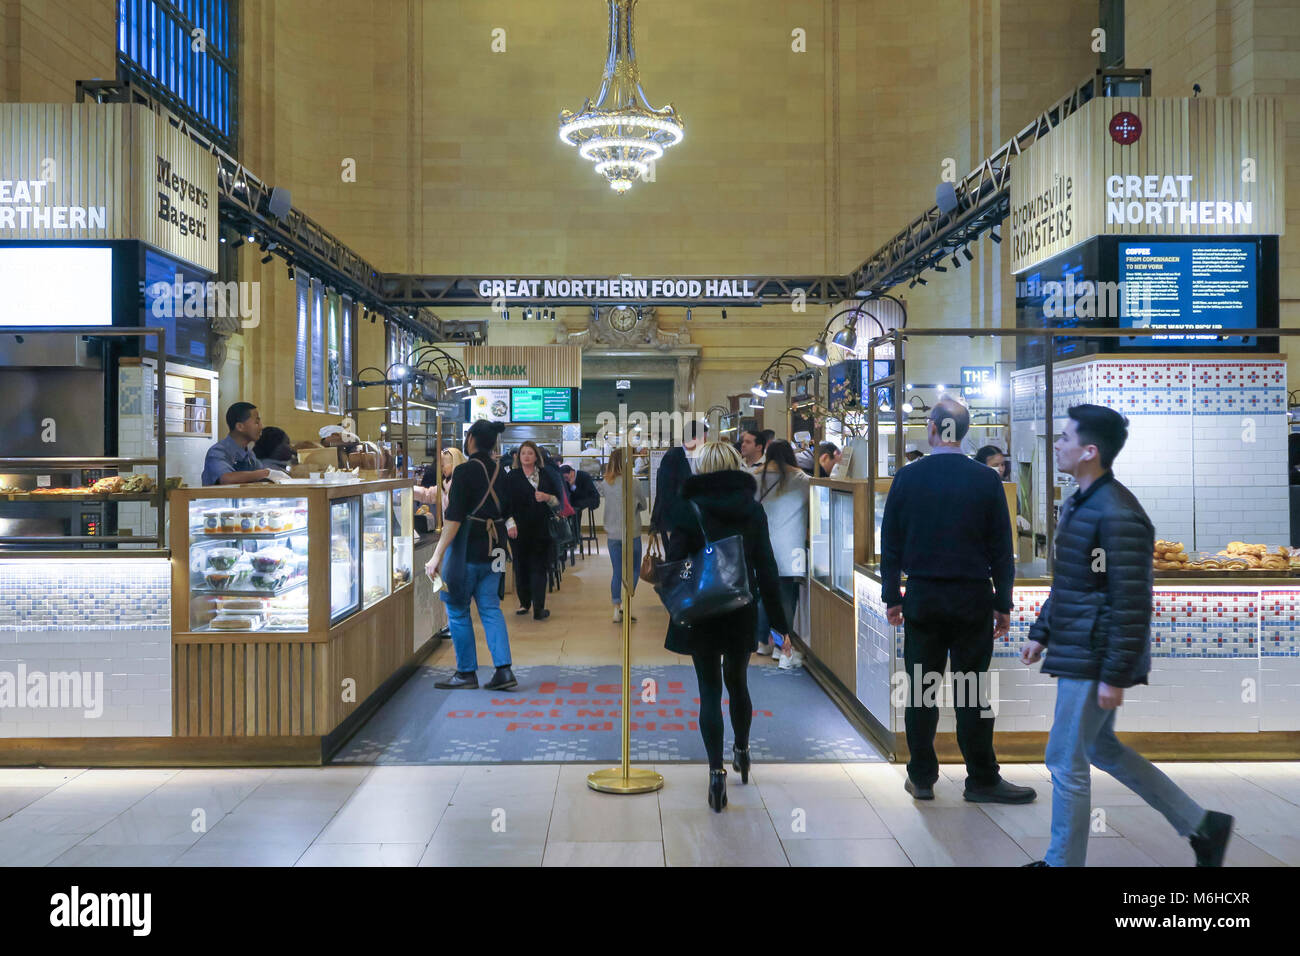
column 983, row 195
column 983, row 200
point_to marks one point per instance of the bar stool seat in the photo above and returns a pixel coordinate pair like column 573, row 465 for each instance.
column 590, row 535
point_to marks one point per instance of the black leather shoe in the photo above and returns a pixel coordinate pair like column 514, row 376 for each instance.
column 1000, row 792
column 1038, row 863
column 717, row 790
column 541, row 615
column 918, row 791
column 503, row 679
column 740, row 763
column 1210, row 841
column 457, row 681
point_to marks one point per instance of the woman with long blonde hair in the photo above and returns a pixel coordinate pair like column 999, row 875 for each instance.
column 611, row 489
column 718, row 502
column 434, row 491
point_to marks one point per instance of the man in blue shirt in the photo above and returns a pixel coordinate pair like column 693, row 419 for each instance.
column 231, row 461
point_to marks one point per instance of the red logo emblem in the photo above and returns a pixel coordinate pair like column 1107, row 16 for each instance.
column 1125, row 128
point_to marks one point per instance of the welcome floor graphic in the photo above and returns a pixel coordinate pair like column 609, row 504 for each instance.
column 572, row 715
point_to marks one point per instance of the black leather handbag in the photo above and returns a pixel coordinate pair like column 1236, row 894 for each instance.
column 560, row 529
column 710, row 582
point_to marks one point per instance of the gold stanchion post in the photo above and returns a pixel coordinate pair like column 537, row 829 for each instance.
column 626, row 778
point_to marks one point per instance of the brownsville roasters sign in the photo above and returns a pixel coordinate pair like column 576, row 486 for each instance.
column 76, row 171
column 1150, row 167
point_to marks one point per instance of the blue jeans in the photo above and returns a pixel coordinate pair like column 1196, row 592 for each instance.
column 483, row 583
column 616, row 558
column 1083, row 734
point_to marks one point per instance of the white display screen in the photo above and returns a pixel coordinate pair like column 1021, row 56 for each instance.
column 56, row 286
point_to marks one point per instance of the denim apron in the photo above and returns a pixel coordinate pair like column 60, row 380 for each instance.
column 455, row 560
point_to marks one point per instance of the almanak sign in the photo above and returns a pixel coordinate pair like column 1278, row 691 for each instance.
column 1210, row 166
column 78, row 171
column 616, row 288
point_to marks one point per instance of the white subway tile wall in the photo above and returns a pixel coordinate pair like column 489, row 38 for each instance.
column 1222, row 660
column 107, row 621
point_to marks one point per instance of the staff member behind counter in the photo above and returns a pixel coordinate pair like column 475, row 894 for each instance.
column 231, row 461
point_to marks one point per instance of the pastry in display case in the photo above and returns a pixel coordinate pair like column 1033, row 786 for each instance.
column 376, row 510
column 248, row 564
column 403, row 536
column 1237, row 556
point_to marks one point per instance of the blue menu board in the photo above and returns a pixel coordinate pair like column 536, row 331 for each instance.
column 1190, row 288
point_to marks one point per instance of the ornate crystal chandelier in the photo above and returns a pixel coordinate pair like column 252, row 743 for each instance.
column 621, row 133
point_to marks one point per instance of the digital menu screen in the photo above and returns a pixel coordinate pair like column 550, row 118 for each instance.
column 541, row 405
column 1189, row 288
column 56, row 286
column 492, row 404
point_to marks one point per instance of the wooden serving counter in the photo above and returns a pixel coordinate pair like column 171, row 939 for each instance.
column 324, row 638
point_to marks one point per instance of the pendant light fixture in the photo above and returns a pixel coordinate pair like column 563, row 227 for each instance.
column 621, row 132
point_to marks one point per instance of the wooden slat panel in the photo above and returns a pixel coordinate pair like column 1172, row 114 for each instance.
column 558, row 366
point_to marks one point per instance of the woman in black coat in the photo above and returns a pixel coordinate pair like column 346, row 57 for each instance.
column 721, row 646
column 533, row 492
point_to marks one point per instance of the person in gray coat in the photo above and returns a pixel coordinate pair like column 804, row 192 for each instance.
column 783, row 493
column 1096, row 629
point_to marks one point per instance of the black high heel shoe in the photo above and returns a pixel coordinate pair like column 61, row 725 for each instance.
column 741, row 763
column 717, row 790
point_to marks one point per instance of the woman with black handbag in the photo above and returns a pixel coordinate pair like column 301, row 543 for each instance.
column 533, row 494
column 718, row 503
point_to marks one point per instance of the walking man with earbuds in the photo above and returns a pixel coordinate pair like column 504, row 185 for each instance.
column 1096, row 628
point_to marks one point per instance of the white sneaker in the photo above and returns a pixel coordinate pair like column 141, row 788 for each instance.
column 618, row 615
column 766, row 650
column 791, row 661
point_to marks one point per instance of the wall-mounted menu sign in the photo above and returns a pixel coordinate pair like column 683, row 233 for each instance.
column 541, row 405
column 1188, row 287
column 492, row 404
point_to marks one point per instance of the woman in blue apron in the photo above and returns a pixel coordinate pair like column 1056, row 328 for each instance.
column 471, row 558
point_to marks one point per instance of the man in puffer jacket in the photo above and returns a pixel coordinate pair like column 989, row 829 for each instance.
column 1096, row 629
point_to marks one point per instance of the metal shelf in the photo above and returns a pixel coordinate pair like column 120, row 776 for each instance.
column 250, row 592
column 201, row 535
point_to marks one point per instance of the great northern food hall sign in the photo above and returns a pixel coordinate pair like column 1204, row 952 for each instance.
column 1212, row 166
column 618, row 288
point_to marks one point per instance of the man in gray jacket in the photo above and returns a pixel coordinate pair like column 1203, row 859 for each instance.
column 1096, row 629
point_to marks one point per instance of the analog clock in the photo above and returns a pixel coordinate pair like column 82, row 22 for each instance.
column 622, row 320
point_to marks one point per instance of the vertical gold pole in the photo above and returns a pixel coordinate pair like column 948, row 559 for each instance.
column 437, row 470
column 624, row 779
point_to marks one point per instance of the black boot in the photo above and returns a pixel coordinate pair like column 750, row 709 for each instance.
column 717, row 790
column 503, row 679
column 458, row 680
column 740, row 763
column 1210, row 841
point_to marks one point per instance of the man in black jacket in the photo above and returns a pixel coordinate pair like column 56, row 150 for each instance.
column 1096, row 628
column 677, row 465
column 582, row 495
column 946, row 525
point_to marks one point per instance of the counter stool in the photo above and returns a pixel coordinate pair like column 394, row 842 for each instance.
column 590, row 536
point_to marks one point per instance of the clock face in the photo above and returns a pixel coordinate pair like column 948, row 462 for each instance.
column 622, row 320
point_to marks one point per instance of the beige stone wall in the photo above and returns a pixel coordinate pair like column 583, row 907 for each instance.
column 1233, row 48
column 47, row 45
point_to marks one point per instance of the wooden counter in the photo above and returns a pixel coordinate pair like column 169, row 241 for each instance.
column 274, row 696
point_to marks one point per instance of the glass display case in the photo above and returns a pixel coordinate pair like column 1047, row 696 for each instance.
column 819, row 533
column 376, row 547
column 288, row 558
column 403, row 536
column 248, row 561
column 841, row 543
column 344, row 580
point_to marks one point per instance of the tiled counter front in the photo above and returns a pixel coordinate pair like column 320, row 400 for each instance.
column 1205, row 435
column 85, row 647
column 1223, row 659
